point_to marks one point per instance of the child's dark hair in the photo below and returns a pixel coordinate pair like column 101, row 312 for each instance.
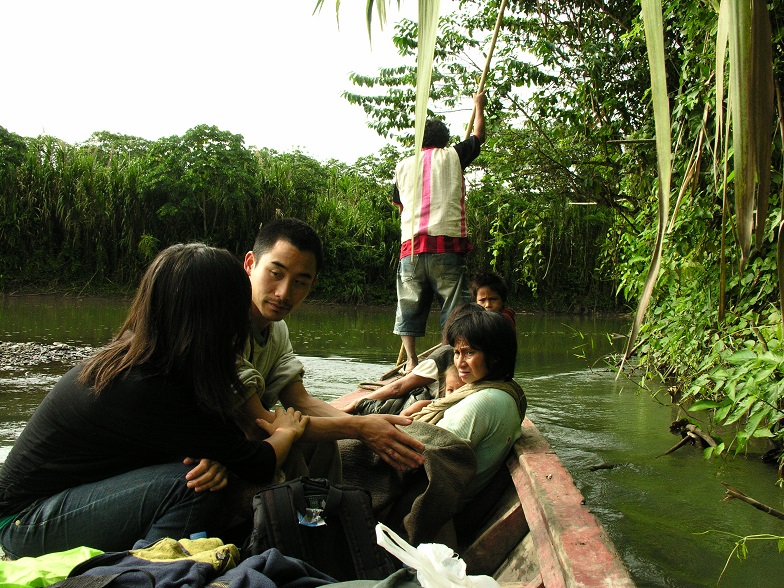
column 488, row 332
column 489, row 280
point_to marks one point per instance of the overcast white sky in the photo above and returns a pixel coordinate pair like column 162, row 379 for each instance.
column 268, row 70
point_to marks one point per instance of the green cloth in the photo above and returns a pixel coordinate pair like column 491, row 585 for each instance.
column 268, row 364
column 45, row 569
column 5, row 521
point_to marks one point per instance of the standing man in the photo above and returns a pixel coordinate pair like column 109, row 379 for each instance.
column 434, row 240
column 283, row 266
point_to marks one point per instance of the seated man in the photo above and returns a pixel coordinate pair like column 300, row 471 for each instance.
column 283, row 266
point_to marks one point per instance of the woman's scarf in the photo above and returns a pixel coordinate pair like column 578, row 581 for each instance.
column 434, row 412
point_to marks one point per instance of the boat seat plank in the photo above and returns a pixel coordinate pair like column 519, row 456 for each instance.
column 491, row 548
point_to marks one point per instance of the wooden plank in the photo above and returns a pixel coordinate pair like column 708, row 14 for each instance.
column 491, row 548
column 550, row 566
column 573, row 547
column 521, row 566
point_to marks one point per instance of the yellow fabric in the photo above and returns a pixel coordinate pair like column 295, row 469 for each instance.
column 45, row 569
column 208, row 550
column 434, row 412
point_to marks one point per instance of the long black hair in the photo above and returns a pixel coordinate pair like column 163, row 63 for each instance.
column 488, row 332
column 189, row 320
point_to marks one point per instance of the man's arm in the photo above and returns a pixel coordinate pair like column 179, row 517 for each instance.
column 395, row 389
column 396, row 198
column 378, row 432
column 480, row 100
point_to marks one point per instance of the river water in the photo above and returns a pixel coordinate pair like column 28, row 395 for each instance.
column 665, row 514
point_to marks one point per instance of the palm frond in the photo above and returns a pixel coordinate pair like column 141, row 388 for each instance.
column 654, row 39
column 741, row 104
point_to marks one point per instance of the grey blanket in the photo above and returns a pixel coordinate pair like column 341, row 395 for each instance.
column 415, row 504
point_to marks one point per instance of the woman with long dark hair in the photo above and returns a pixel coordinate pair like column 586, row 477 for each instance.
column 103, row 460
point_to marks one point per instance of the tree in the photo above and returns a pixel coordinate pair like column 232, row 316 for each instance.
column 195, row 182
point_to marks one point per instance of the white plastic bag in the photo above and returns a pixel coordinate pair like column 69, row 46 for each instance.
column 437, row 565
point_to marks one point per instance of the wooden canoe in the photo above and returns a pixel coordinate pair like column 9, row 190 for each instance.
column 530, row 526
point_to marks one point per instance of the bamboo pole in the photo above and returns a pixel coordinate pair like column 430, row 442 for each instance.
column 483, row 79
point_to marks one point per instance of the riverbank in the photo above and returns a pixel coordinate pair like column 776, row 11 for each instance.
column 117, row 293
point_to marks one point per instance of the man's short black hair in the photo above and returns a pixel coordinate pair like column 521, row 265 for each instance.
column 436, row 134
column 297, row 232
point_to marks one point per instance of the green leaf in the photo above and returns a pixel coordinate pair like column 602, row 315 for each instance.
column 742, row 356
column 705, row 405
column 654, row 40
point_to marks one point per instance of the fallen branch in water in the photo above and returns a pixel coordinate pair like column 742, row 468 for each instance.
column 688, row 438
column 704, row 436
column 601, row 466
column 690, row 432
column 735, row 493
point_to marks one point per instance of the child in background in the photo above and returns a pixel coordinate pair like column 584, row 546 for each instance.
column 489, row 291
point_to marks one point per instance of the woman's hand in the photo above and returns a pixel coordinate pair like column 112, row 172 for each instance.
column 287, row 421
column 287, row 427
column 207, row 475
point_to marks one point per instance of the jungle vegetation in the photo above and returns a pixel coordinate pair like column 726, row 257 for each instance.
column 623, row 105
column 565, row 201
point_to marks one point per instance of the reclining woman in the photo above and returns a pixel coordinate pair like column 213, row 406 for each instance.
column 467, row 434
column 108, row 457
column 488, row 410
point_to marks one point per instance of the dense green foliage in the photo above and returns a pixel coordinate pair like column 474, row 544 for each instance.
column 568, row 190
column 93, row 215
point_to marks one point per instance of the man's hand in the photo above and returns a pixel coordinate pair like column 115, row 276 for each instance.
column 480, row 100
column 399, row 450
column 207, row 475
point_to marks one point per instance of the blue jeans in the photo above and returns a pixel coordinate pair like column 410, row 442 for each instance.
column 111, row 515
column 419, row 279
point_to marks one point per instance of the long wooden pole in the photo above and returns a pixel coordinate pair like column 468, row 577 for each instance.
column 483, row 79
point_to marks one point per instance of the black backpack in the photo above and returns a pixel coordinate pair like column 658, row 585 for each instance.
column 329, row 526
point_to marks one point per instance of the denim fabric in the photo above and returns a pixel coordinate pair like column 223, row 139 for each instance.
column 111, row 515
column 419, row 279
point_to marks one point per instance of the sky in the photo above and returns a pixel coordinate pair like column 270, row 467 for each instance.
column 271, row 71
